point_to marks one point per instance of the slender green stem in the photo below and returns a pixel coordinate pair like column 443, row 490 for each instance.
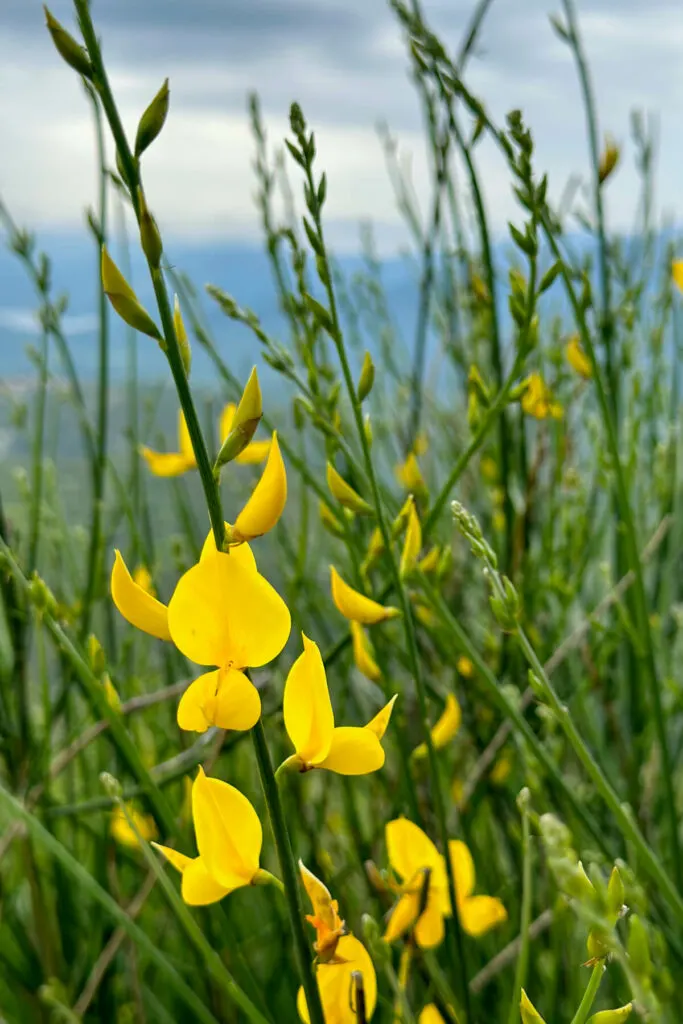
column 589, row 995
column 37, row 454
column 525, row 923
column 456, row 946
column 88, row 885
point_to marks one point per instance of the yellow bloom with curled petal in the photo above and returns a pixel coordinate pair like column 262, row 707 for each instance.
column 329, row 927
column 309, row 721
column 430, row 1015
column 172, row 463
column 121, row 829
column 577, row 358
column 222, row 613
column 412, row 543
column 267, row 502
column 409, row 475
column 362, row 653
column 355, row 606
column 537, row 400
column 229, row 839
column 445, row 728
column 418, row 863
column 337, row 986
column 256, row 451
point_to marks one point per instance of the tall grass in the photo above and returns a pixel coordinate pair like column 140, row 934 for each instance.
column 532, row 411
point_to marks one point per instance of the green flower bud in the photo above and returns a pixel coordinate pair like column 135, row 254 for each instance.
column 345, row 494
column 181, row 337
column 367, row 377
column 638, row 949
column 152, row 121
column 150, row 238
column 75, row 55
column 615, row 895
column 96, row 655
column 124, row 300
column 247, row 418
column 611, row 1016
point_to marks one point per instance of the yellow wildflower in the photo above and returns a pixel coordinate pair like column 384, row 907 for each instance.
column 362, row 653
column 255, row 451
column 329, row 927
column 412, row 543
column 223, row 613
column 229, row 840
column 430, row 1015
column 409, row 475
column 122, row 831
column 500, row 771
column 267, row 502
column 143, row 577
column 355, row 606
column 464, row 666
column 577, row 358
column 538, row 401
column 677, row 273
column 445, row 728
column 336, row 984
column 309, row 721
column 172, row 463
column 345, row 494
column 417, row 862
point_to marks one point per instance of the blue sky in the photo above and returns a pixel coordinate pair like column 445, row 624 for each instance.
column 344, row 61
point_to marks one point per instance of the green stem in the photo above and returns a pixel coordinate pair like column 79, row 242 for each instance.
column 37, row 455
column 589, row 995
column 527, row 893
column 88, row 885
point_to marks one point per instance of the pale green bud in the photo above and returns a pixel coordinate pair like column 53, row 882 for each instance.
column 75, row 55
column 152, row 121
column 367, row 377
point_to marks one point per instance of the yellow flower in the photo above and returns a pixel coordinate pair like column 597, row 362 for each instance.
column 412, row 543
column 122, row 831
column 337, row 987
column 222, row 613
column 500, row 771
column 528, row 1011
column 143, row 577
column 677, row 273
column 229, row 839
column 356, row 606
column 445, row 728
column 409, row 475
column 267, row 502
column 465, row 666
column 362, row 653
column 309, row 721
column 425, row 615
column 255, row 451
column 430, row 562
column 110, row 692
column 430, row 1015
column 417, row 862
column 577, row 358
column 345, row 494
column 537, row 399
column 329, row 927
column 172, row 463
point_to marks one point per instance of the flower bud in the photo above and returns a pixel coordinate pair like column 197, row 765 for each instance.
column 367, row 377
column 111, row 693
column 638, row 948
column 615, row 895
column 124, row 300
column 611, row 1016
column 247, row 418
column 412, row 543
column 181, row 337
column 528, row 1011
column 96, row 655
column 152, row 121
column 608, row 160
column 75, row 55
column 345, row 494
column 150, row 239
column 111, row 785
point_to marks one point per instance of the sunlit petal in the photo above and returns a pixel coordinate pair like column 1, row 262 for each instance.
column 255, row 452
column 336, row 984
column 223, row 613
column 136, row 605
column 228, row 831
column 356, row 606
column 184, row 442
column 174, row 857
column 353, row 751
column 430, row 1015
column 225, row 422
column 198, row 888
column 167, row 463
column 319, row 895
column 225, row 697
column 307, row 709
column 478, row 914
column 267, row 502
column 429, row 930
column 362, row 653
column 242, row 552
column 403, row 916
column 379, row 723
column 448, row 724
column 409, row 849
column 463, row 868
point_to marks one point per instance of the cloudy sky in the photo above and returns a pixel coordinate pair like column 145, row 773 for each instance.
column 344, row 61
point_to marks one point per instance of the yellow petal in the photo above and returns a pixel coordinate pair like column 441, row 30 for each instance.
column 242, row 552
column 577, row 358
column 403, row 916
column 353, row 751
column 528, row 1011
column 319, row 895
column 465, row 667
column 677, row 273
column 179, row 861
column 463, row 868
column 225, row 422
column 267, row 501
column 123, row 832
column 478, row 914
column 362, row 653
column 356, row 606
column 408, row 474
column 222, row 613
column 255, row 452
column 412, row 543
column 228, row 831
column 225, row 698
column 379, row 723
column 307, row 709
column 621, row 1013
column 184, row 443
column 167, row 463
column 336, row 986
column 137, row 606
column 448, row 724
column 429, row 930
column 409, row 849
column 198, row 888
column 345, row 494
column 143, row 578
column 430, row 1015
column 430, row 561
